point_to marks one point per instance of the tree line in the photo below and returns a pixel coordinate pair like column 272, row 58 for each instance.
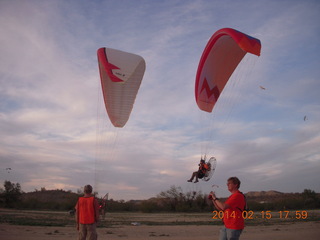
column 171, row 200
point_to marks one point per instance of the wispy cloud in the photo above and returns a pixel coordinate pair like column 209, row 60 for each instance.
column 56, row 133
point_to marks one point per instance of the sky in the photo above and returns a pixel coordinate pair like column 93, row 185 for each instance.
column 55, row 133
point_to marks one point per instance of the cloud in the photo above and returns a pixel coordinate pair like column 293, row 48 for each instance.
column 56, row 131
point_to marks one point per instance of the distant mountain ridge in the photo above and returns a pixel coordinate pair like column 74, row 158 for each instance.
column 271, row 193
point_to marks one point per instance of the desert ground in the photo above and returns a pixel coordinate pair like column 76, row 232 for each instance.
column 139, row 226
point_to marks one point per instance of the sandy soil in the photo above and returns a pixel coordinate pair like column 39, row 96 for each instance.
column 292, row 231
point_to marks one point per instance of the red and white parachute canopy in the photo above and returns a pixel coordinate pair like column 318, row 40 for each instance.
column 121, row 75
column 220, row 58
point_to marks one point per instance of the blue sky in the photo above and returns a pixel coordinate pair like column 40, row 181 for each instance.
column 56, row 134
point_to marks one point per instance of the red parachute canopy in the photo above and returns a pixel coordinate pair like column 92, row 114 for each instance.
column 121, row 74
column 221, row 56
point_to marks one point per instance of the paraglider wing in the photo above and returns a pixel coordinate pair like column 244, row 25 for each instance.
column 121, row 74
column 221, row 56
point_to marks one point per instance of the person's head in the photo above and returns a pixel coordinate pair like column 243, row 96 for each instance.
column 202, row 161
column 87, row 189
column 233, row 183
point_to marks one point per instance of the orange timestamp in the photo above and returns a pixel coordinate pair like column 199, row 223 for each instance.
column 299, row 214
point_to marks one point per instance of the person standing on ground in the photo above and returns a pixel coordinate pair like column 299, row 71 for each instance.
column 232, row 210
column 87, row 209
